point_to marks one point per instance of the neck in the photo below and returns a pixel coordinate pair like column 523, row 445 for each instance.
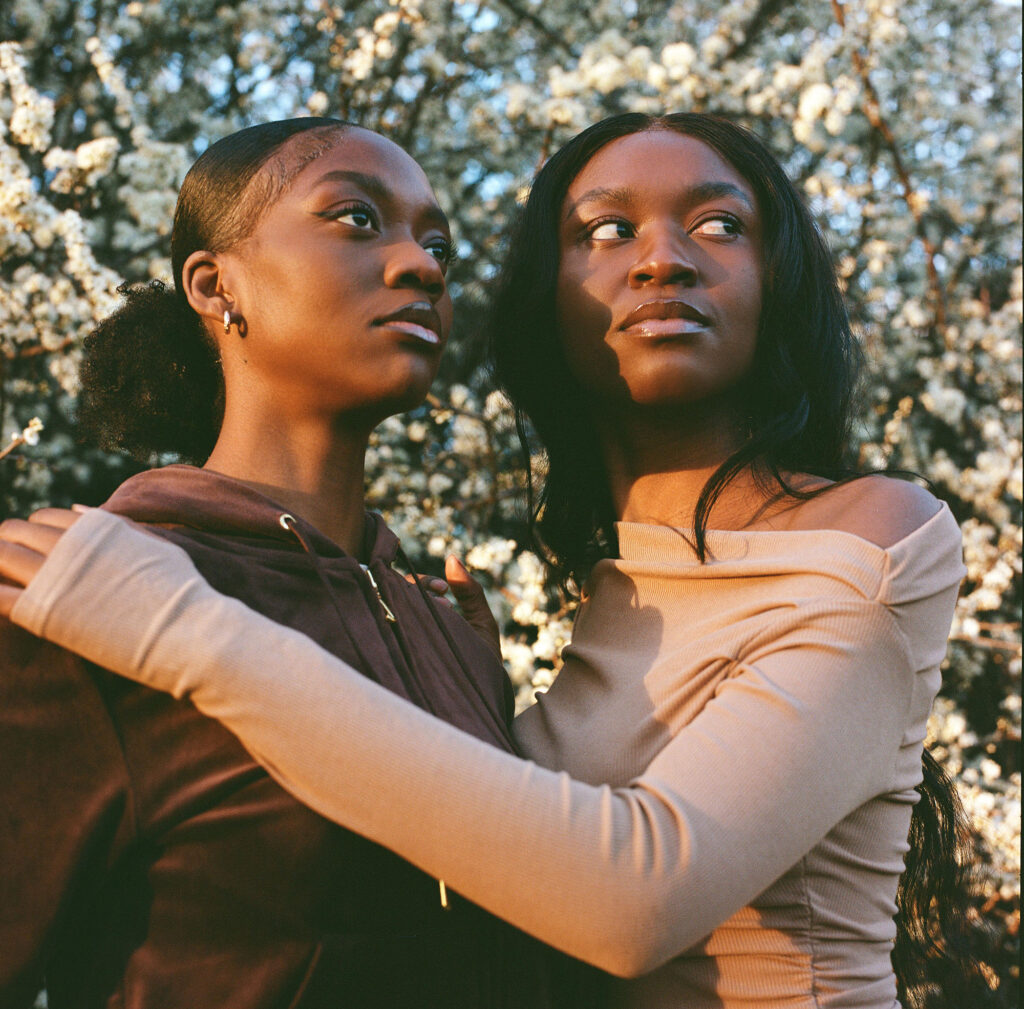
column 312, row 465
column 658, row 463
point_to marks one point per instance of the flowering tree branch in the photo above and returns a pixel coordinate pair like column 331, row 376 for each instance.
column 872, row 108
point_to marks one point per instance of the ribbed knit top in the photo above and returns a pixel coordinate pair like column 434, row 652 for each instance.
column 790, row 678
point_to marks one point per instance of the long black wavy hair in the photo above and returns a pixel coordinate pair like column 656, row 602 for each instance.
column 151, row 377
column 798, row 398
column 800, row 386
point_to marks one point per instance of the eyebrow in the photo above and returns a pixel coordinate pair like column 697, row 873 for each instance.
column 701, row 193
column 378, row 189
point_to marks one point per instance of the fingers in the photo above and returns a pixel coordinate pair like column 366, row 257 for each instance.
column 19, row 564
column 463, row 585
column 24, row 545
column 435, row 586
column 469, row 594
column 35, row 535
column 60, row 518
column 460, row 581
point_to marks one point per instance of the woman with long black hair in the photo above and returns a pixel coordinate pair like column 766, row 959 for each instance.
column 724, row 775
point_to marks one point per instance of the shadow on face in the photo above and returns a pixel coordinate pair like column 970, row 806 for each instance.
column 659, row 282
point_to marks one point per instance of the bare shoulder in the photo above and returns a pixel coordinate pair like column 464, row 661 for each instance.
column 877, row 508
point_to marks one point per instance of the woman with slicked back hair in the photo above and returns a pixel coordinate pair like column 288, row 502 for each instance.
column 149, row 861
column 725, row 782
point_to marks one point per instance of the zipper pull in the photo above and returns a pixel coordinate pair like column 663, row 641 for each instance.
column 444, row 895
column 388, row 615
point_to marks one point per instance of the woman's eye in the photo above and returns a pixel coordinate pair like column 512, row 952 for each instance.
column 606, row 231
column 356, row 217
column 718, row 227
column 442, row 250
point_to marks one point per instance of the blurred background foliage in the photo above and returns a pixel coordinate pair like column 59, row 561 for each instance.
column 901, row 122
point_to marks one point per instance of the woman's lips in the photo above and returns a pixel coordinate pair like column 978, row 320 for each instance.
column 418, row 320
column 665, row 317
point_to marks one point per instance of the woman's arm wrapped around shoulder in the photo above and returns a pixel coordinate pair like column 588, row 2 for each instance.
column 801, row 733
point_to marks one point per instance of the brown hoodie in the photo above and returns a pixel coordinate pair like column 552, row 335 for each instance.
column 147, row 862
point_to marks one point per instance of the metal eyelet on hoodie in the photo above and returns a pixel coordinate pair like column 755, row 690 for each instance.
column 288, row 523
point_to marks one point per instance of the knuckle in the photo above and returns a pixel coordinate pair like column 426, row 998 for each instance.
column 10, row 528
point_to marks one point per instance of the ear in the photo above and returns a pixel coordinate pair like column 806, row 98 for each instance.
column 205, row 286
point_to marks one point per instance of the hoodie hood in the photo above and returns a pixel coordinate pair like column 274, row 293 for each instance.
column 211, row 502
column 248, row 546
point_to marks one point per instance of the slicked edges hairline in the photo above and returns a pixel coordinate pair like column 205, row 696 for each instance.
column 275, row 176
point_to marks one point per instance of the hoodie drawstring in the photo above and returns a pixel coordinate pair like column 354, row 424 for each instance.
column 288, row 522
column 388, row 615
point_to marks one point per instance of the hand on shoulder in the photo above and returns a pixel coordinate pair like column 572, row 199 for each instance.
column 24, row 546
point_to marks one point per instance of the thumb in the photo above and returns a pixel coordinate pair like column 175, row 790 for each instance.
column 469, row 594
column 462, row 583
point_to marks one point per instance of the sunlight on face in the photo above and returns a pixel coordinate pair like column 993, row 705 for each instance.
column 342, row 284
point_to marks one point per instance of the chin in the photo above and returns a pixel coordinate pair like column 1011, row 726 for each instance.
column 679, row 386
column 406, row 397
column 670, row 402
column 659, row 391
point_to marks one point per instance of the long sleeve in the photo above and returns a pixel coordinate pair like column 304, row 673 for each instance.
column 624, row 878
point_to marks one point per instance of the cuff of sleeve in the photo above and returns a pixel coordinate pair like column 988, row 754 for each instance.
column 95, row 533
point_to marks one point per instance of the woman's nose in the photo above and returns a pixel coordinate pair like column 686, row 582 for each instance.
column 410, row 265
column 663, row 260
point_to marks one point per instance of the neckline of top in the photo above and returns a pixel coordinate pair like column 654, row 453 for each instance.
column 635, row 532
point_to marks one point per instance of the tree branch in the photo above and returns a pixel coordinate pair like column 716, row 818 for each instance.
column 530, row 18
column 766, row 10
column 872, row 108
column 36, row 349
